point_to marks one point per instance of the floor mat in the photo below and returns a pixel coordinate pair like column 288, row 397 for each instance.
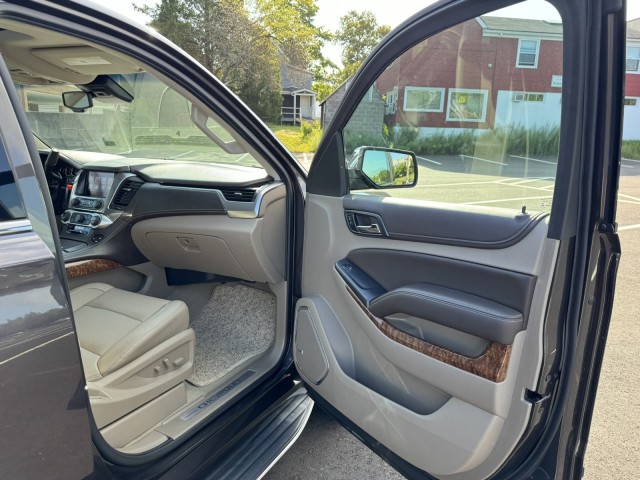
column 237, row 323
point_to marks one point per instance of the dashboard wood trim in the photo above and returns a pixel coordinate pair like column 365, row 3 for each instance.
column 88, row 267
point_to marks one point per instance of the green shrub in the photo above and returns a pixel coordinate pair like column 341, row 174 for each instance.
column 631, row 149
column 541, row 141
column 310, row 127
column 303, row 140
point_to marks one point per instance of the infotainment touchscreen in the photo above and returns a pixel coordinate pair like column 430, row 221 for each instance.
column 100, row 183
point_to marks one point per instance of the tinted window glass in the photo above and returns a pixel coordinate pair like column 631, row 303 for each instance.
column 10, row 203
column 480, row 105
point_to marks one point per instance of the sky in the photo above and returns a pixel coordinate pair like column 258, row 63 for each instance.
column 330, row 11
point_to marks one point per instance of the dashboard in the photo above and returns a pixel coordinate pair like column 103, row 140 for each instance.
column 113, row 200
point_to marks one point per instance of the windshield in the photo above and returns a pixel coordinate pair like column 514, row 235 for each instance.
column 156, row 124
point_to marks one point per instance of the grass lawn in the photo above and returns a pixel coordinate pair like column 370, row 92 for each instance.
column 294, row 139
column 276, row 127
column 631, row 149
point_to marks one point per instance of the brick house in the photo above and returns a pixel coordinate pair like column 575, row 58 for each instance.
column 478, row 75
column 631, row 127
column 485, row 73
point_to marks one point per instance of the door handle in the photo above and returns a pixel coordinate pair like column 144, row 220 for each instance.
column 373, row 229
column 365, row 223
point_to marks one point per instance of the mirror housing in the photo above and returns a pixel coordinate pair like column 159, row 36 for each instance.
column 379, row 167
column 77, row 101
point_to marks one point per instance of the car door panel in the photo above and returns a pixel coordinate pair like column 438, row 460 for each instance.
column 459, row 225
column 440, row 374
column 393, row 269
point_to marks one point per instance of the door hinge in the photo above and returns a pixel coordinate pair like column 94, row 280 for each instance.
column 535, row 398
column 608, row 227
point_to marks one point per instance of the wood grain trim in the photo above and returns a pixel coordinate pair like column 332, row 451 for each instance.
column 87, row 267
column 491, row 364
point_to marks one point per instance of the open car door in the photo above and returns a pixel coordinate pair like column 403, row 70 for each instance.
column 459, row 248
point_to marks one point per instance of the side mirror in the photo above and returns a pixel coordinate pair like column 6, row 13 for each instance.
column 377, row 167
column 77, row 101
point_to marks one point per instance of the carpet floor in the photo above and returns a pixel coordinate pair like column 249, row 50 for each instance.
column 236, row 324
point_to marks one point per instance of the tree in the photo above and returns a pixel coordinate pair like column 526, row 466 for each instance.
column 323, row 89
column 358, row 34
column 221, row 35
column 242, row 42
column 290, row 24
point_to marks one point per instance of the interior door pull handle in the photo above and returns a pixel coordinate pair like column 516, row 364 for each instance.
column 373, row 229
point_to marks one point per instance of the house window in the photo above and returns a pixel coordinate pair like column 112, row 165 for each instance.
column 369, row 95
column 630, row 102
column 633, row 59
column 467, row 105
column 528, row 97
column 528, row 51
column 390, row 101
column 423, row 99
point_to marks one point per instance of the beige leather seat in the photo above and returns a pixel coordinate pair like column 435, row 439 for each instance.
column 134, row 347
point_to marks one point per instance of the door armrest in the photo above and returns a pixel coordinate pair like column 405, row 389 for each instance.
column 452, row 308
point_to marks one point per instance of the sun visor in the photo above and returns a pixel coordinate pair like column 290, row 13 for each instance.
column 85, row 60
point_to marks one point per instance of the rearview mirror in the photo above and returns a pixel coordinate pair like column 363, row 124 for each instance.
column 77, row 101
column 377, row 167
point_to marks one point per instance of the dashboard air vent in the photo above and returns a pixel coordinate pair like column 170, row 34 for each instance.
column 238, row 194
column 125, row 193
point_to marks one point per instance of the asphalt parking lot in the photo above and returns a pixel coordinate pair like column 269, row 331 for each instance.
column 326, row 451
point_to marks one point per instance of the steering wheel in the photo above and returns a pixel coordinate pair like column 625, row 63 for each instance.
column 50, row 163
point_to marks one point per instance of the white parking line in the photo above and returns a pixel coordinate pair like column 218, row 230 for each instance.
column 506, row 200
column 533, row 179
column 484, row 160
column 630, row 160
column 625, row 166
column 35, row 348
column 492, row 182
column 629, row 196
column 534, row 159
column 30, row 338
column 629, row 227
column 428, row 160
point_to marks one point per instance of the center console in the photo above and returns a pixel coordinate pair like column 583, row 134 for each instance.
column 90, row 209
